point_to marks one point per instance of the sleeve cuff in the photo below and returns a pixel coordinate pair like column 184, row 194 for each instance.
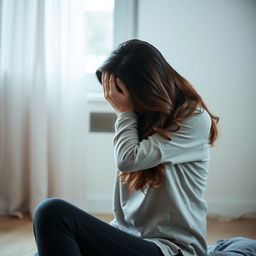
column 126, row 115
column 124, row 119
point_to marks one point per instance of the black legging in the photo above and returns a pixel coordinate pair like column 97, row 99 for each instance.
column 61, row 228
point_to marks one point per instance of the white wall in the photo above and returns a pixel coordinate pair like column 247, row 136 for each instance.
column 100, row 167
column 213, row 44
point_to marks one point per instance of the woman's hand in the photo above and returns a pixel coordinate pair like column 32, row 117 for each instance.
column 116, row 93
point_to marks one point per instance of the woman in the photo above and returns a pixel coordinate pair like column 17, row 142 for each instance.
column 163, row 134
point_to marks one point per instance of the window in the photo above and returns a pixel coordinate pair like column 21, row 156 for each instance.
column 99, row 27
column 108, row 23
column 99, row 21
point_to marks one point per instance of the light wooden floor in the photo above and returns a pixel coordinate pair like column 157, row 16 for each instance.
column 16, row 235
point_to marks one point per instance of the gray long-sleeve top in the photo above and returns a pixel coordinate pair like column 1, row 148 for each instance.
column 174, row 215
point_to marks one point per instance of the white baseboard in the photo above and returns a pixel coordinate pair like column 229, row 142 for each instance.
column 222, row 207
column 232, row 208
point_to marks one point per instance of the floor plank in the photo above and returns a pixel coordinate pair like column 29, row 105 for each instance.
column 16, row 235
column 224, row 229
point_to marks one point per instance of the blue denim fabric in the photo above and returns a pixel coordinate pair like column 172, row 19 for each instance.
column 237, row 246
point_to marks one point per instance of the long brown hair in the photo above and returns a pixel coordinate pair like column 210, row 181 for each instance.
column 161, row 97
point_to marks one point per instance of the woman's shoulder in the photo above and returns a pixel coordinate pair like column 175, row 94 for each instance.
column 201, row 113
column 200, row 120
column 198, row 123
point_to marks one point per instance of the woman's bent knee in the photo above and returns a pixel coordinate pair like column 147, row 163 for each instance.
column 48, row 209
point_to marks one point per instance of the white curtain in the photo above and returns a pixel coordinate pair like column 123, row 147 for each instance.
column 42, row 103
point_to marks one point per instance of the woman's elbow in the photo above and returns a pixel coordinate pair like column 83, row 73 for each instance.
column 126, row 162
column 123, row 166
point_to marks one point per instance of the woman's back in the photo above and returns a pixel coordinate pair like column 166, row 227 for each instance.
column 173, row 215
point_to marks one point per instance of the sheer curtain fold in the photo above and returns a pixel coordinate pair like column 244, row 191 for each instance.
column 42, row 103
